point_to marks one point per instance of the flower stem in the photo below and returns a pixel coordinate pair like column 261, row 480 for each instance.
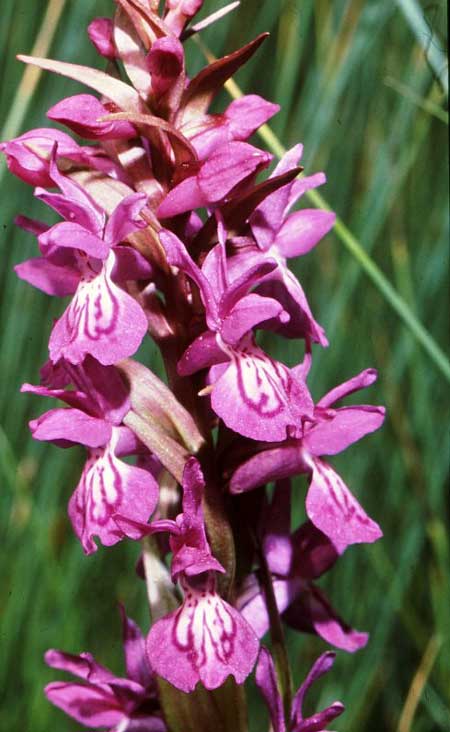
column 277, row 637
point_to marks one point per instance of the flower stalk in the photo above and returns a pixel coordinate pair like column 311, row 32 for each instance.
column 167, row 230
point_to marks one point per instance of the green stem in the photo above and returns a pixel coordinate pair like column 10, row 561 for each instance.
column 277, row 637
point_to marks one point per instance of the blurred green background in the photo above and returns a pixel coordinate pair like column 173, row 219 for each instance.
column 361, row 85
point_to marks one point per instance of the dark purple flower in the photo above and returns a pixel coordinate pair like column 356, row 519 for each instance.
column 278, row 235
column 94, row 419
column 102, row 319
column 205, row 639
column 102, row 699
column 329, row 503
column 253, row 394
column 295, row 560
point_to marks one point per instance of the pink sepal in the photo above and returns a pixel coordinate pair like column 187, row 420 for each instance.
column 335, row 511
column 48, row 277
column 65, row 427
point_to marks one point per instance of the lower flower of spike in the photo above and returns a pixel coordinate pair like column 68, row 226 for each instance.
column 205, row 640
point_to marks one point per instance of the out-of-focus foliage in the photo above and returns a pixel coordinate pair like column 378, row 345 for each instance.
column 356, row 88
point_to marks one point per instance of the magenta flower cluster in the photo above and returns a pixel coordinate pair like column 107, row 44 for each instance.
column 167, row 229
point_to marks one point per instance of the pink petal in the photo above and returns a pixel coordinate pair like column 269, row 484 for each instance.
column 214, row 268
column 84, row 666
column 134, row 647
column 247, row 279
column 74, row 236
column 107, row 394
column 185, row 196
column 93, row 217
column 251, row 310
column 125, row 218
column 248, row 113
column 48, row 277
column 72, row 397
column 146, row 723
column 71, row 210
column 285, row 287
column 335, row 511
column 277, row 544
column 102, row 320
column 301, row 185
column 360, row 381
column 268, row 216
column 178, row 12
column 312, row 612
column 90, row 705
column 70, row 426
column 314, row 553
column 201, row 354
column 207, row 135
column 178, row 256
column 27, row 155
column 130, row 265
column 349, row 425
column 204, row 640
column 320, row 720
column 165, row 62
column 228, row 166
column 302, row 230
column 274, row 463
column 253, row 607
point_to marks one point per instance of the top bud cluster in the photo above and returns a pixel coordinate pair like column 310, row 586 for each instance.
column 166, row 229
